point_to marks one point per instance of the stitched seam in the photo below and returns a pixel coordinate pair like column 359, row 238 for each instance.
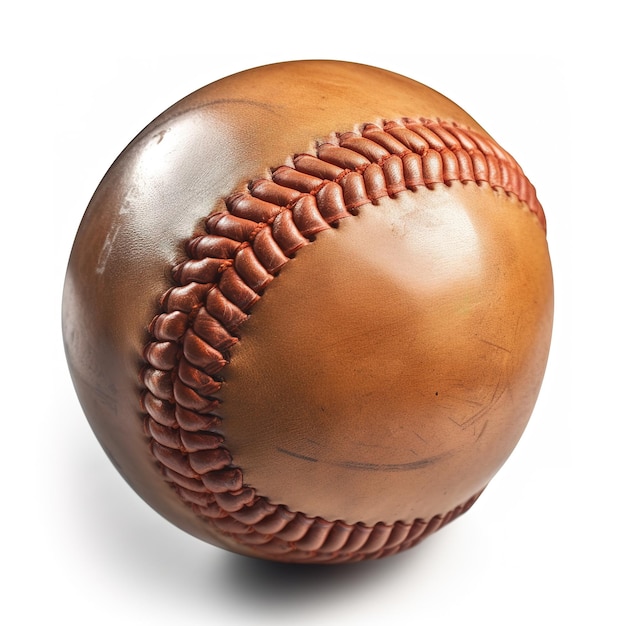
column 226, row 272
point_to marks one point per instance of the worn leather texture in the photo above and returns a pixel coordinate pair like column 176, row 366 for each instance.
column 308, row 311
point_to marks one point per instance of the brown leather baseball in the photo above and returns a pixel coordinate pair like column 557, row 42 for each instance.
column 308, row 311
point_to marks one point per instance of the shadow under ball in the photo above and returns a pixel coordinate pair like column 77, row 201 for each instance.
column 308, row 311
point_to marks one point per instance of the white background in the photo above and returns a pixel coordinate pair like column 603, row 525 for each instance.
column 544, row 544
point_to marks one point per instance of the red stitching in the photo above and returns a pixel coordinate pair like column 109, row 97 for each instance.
column 417, row 155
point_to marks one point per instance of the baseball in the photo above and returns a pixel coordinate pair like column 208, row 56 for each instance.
column 308, row 311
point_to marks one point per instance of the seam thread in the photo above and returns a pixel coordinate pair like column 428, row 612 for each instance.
column 227, row 270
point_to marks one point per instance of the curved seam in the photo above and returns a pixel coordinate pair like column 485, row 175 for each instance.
column 224, row 275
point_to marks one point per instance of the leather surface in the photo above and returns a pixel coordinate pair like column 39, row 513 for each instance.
column 149, row 214
column 390, row 369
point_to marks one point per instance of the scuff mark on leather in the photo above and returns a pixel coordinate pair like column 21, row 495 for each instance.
column 218, row 102
column 370, row 467
column 303, row 457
